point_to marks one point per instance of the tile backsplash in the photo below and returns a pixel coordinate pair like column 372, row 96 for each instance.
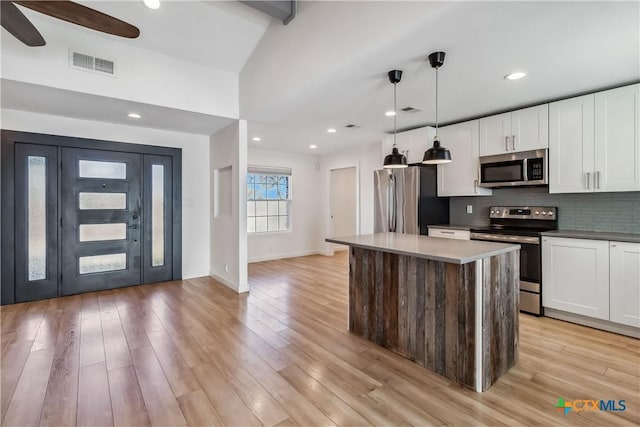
column 617, row 212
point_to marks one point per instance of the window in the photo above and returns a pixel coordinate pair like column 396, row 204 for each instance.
column 268, row 200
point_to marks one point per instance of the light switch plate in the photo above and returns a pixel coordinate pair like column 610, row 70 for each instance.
column 469, row 209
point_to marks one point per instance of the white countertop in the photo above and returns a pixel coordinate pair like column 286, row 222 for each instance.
column 595, row 235
column 438, row 249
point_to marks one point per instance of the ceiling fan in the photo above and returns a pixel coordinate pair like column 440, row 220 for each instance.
column 14, row 21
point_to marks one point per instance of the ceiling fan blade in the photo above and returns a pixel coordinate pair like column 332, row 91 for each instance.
column 18, row 25
column 83, row 16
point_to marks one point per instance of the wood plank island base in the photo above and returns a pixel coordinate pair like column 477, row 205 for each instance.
column 448, row 305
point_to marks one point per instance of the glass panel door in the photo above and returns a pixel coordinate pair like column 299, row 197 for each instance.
column 36, row 178
column 157, row 219
column 102, row 207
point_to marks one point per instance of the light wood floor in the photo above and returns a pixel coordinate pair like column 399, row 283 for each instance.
column 194, row 352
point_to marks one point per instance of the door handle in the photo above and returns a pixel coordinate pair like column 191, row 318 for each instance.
column 506, row 143
column 597, row 184
column 134, row 216
column 588, row 174
column 513, row 142
column 475, row 185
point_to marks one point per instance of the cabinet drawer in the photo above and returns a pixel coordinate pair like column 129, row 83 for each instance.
column 447, row 233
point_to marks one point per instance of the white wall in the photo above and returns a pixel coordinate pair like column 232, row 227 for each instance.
column 366, row 158
column 195, row 170
column 306, row 216
column 142, row 75
column 228, row 178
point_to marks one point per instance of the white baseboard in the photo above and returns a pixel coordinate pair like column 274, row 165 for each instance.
column 605, row 325
column 273, row 257
column 195, row 275
column 229, row 284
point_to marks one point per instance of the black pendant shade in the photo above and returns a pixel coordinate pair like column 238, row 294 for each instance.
column 396, row 159
column 436, row 154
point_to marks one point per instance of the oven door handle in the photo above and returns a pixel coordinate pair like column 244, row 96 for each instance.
column 505, row 238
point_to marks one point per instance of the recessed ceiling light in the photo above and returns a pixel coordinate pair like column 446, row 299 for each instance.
column 134, row 115
column 390, row 113
column 313, row 146
column 257, row 139
column 331, row 130
column 515, row 76
column 152, row 4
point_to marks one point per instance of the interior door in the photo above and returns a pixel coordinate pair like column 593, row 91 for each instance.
column 343, row 202
column 101, row 211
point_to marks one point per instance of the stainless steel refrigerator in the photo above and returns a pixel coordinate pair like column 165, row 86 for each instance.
column 406, row 200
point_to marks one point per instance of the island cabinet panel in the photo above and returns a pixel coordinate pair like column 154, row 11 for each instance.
column 500, row 336
column 425, row 310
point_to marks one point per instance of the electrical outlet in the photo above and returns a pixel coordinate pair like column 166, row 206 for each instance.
column 469, row 209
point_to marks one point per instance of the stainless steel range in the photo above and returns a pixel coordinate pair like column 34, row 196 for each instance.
column 522, row 225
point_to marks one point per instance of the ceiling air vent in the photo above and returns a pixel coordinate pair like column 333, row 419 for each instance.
column 410, row 109
column 97, row 65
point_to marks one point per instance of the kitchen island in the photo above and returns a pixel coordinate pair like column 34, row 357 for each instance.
column 448, row 305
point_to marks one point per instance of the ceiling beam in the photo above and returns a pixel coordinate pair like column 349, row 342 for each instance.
column 284, row 10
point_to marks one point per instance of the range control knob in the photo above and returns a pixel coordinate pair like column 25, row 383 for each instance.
column 537, row 212
column 549, row 213
column 544, row 212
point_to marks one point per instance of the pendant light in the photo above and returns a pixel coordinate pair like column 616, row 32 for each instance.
column 436, row 154
column 395, row 160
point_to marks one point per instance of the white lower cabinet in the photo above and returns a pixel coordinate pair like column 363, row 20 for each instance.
column 625, row 283
column 448, row 233
column 575, row 276
column 594, row 278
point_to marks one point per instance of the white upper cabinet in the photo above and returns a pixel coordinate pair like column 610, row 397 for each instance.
column 617, row 139
column 571, row 145
column 412, row 143
column 624, row 297
column 594, row 142
column 520, row 130
column 495, row 134
column 530, row 128
column 460, row 177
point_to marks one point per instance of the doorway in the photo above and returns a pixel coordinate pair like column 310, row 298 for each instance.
column 86, row 219
column 343, row 203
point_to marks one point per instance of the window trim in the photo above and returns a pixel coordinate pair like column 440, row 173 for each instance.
column 271, row 171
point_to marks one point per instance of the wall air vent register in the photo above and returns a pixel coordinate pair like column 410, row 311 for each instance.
column 81, row 61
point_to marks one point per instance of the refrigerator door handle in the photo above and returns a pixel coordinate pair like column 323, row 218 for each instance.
column 391, row 203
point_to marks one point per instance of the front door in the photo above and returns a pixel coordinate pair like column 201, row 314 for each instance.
column 101, row 220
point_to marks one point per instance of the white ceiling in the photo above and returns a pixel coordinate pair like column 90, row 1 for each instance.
column 328, row 67
column 48, row 100
column 219, row 34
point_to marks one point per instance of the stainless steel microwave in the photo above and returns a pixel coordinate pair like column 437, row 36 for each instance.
column 512, row 169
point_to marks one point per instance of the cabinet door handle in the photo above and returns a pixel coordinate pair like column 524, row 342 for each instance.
column 513, row 142
column 475, row 185
column 588, row 174
column 506, row 143
column 597, row 185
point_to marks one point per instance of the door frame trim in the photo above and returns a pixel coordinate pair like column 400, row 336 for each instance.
column 7, row 194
